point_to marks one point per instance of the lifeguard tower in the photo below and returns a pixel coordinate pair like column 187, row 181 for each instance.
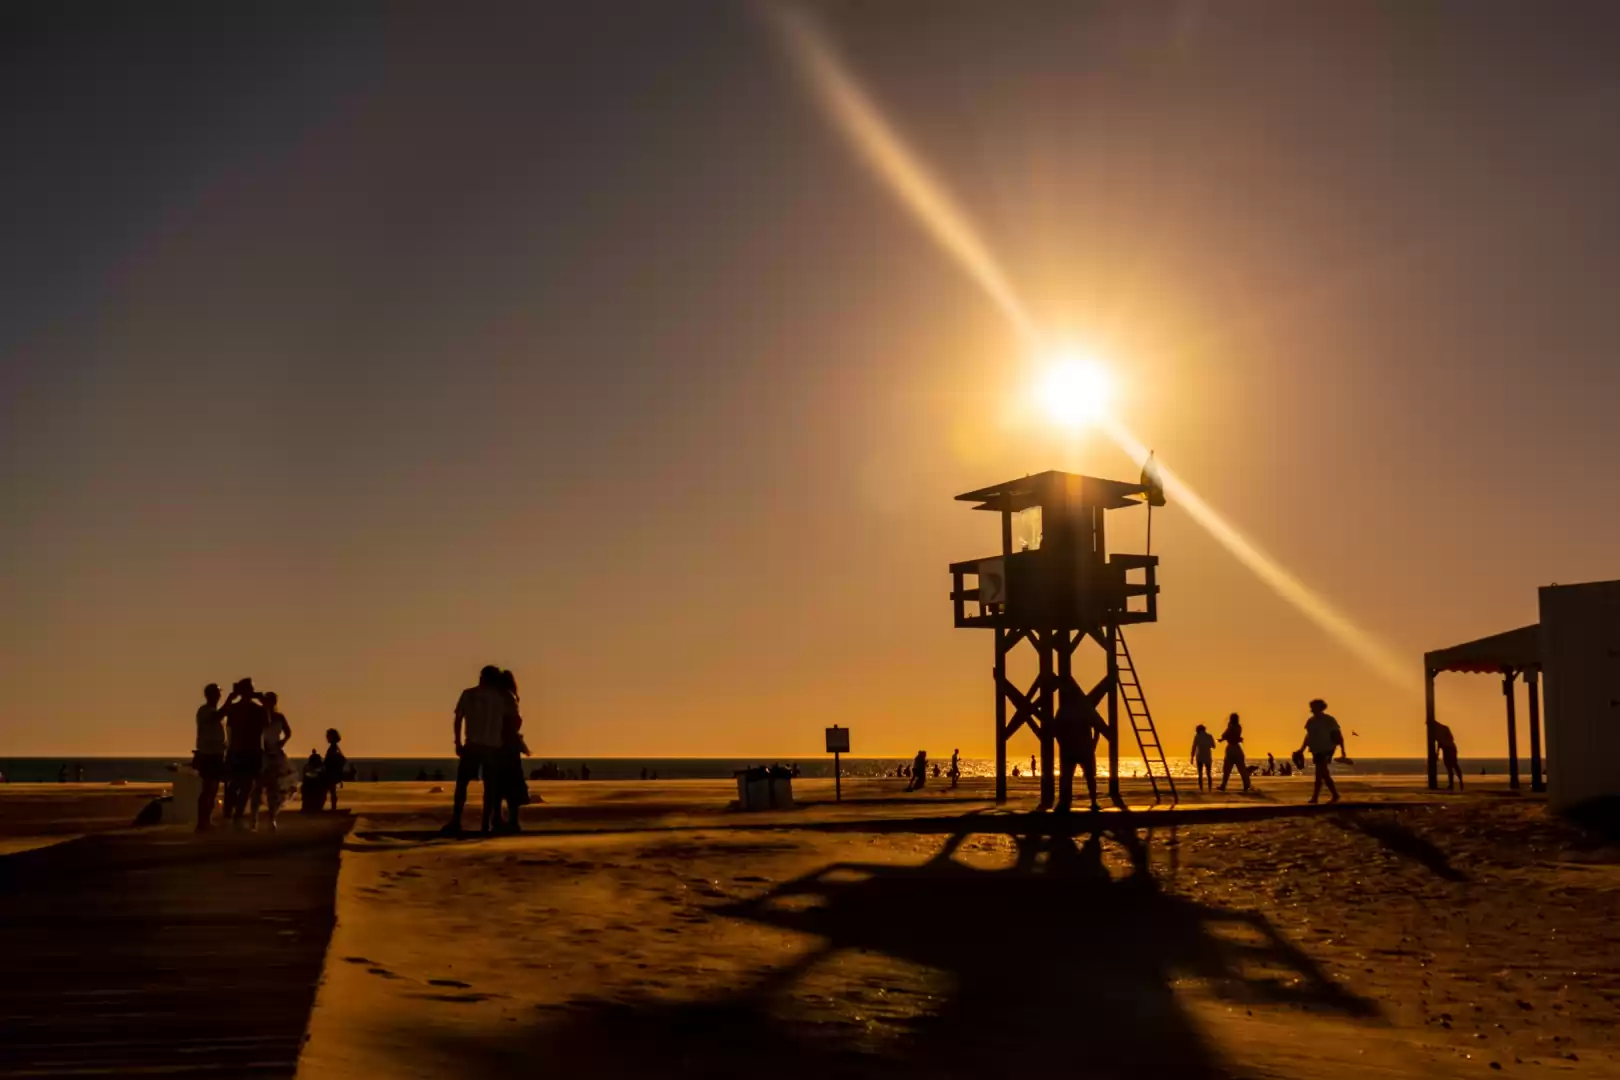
column 1055, row 586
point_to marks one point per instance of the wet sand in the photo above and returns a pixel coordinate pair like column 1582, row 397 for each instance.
column 647, row 929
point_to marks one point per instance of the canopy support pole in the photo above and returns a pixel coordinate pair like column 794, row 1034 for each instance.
column 1532, row 685
column 1428, row 728
column 1513, row 732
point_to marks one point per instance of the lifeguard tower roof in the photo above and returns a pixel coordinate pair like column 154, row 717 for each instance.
column 1045, row 487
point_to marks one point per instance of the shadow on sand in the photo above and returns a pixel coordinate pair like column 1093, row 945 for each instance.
column 1398, row 838
column 1054, row 962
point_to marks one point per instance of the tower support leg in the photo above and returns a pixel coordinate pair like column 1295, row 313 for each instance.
column 1001, row 717
column 1045, row 643
column 1113, row 714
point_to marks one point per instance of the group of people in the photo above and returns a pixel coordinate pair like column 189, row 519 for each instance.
column 917, row 772
column 490, row 746
column 1322, row 737
column 242, row 745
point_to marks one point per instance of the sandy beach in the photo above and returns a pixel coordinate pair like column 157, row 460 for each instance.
column 648, row 928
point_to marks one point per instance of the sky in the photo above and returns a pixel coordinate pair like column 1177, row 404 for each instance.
column 353, row 346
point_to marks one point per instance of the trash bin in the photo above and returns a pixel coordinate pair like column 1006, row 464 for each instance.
column 781, row 792
column 753, row 789
column 182, row 809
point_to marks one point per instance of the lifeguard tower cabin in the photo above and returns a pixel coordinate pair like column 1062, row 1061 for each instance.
column 1055, row 585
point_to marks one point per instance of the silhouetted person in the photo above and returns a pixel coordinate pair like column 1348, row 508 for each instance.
column 1233, row 738
column 482, row 711
column 1075, row 727
column 514, row 790
column 208, row 757
column 1448, row 753
column 273, row 776
column 1015, row 772
column 956, row 767
column 919, row 771
column 311, row 792
column 1271, row 764
column 333, row 765
column 584, row 771
column 644, row 772
column 1203, row 756
column 245, row 721
column 1032, row 770
column 1322, row 734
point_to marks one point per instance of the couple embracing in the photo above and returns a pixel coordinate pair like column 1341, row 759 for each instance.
column 490, row 746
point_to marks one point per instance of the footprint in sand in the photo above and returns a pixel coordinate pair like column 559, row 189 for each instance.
column 457, row 983
column 355, row 960
column 384, row 972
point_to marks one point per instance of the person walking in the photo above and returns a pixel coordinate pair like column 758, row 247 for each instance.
column 1322, row 734
column 1203, row 756
column 272, row 782
column 1448, row 753
column 208, row 755
column 1233, row 738
column 956, row 767
column 479, row 719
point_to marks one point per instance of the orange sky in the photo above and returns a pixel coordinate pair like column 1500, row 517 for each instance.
column 380, row 351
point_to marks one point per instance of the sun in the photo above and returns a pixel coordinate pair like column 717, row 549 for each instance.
column 1074, row 389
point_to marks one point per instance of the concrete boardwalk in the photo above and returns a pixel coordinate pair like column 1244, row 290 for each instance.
column 155, row 952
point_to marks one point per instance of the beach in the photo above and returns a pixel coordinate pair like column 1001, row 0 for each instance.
column 650, row 928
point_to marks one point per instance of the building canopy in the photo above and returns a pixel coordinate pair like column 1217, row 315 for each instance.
column 1513, row 650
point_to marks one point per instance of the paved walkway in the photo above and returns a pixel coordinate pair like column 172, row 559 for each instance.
column 158, row 953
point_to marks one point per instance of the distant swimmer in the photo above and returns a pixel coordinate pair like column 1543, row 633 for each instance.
column 1203, row 755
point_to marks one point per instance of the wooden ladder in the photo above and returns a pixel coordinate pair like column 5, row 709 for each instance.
column 1136, row 707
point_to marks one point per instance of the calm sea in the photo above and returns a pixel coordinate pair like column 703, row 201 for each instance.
column 155, row 769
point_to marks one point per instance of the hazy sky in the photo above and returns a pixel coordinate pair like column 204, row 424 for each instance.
column 355, row 349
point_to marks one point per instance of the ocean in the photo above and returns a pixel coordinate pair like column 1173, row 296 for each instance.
column 158, row 769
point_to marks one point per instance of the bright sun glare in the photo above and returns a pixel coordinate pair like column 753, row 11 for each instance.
column 1075, row 390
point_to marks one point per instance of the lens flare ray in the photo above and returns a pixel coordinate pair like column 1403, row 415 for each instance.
column 858, row 119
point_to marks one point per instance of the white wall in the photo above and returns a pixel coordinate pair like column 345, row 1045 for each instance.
column 1580, row 657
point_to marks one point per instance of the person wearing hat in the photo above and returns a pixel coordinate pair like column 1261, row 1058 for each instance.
column 1322, row 735
column 245, row 721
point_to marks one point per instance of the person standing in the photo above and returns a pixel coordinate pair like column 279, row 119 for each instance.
column 208, row 755
column 245, row 721
column 1322, row 734
column 919, row 771
column 956, row 767
column 1203, row 756
column 1233, row 738
column 334, row 766
column 1448, row 753
column 1076, row 727
column 513, row 789
column 272, row 779
column 480, row 716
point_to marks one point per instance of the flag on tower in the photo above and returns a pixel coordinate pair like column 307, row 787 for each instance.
column 1152, row 482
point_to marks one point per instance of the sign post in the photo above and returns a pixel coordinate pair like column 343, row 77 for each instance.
column 837, row 744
